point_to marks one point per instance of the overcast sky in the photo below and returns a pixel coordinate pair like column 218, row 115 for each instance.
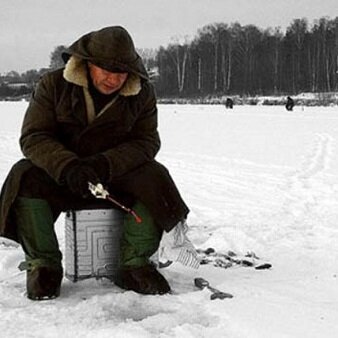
column 31, row 29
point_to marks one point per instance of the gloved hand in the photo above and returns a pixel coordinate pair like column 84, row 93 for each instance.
column 100, row 164
column 77, row 177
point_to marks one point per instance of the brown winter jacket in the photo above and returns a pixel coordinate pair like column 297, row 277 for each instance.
column 60, row 123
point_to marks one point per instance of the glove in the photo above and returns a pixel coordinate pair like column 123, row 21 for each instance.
column 77, row 177
column 100, row 164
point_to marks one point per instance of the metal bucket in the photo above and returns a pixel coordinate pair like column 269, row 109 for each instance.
column 92, row 243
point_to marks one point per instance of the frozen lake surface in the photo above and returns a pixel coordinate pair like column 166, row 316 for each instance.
column 256, row 178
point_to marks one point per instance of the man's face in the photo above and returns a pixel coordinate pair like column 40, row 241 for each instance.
column 106, row 82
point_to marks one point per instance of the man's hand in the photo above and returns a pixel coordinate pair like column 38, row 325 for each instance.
column 100, row 164
column 77, row 178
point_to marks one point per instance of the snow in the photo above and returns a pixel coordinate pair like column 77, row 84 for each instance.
column 256, row 178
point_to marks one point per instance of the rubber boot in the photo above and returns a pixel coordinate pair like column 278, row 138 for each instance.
column 35, row 230
column 138, row 243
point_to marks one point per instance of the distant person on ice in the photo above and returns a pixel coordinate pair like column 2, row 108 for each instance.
column 229, row 103
column 289, row 103
column 94, row 121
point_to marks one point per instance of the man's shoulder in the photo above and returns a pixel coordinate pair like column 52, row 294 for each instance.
column 52, row 82
column 147, row 91
column 53, row 74
column 53, row 78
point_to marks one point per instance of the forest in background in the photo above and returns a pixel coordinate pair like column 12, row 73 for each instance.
column 231, row 60
column 246, row 60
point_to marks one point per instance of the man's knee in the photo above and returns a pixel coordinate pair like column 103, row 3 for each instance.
column 35, row 182
column 149, row 174
column 151, row 170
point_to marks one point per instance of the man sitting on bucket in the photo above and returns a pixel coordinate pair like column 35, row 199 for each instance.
column 93, row 121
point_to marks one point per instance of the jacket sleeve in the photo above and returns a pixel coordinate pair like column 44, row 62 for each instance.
column 143, row 143
column 38, row 139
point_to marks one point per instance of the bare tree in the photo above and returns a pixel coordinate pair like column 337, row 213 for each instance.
column 179, row 54
column 56, row 60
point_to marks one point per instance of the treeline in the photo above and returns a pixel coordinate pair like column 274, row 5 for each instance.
column 230, row 59
column 245, row 60
column 20, row 86
column 17, row 86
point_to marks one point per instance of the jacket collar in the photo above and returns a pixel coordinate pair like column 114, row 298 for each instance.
column 76, row 72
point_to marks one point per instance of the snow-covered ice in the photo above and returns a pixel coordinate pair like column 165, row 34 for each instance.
column 256, row 178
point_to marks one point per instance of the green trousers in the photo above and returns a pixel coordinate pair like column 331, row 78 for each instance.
column 35, row 230
column 139, row 240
